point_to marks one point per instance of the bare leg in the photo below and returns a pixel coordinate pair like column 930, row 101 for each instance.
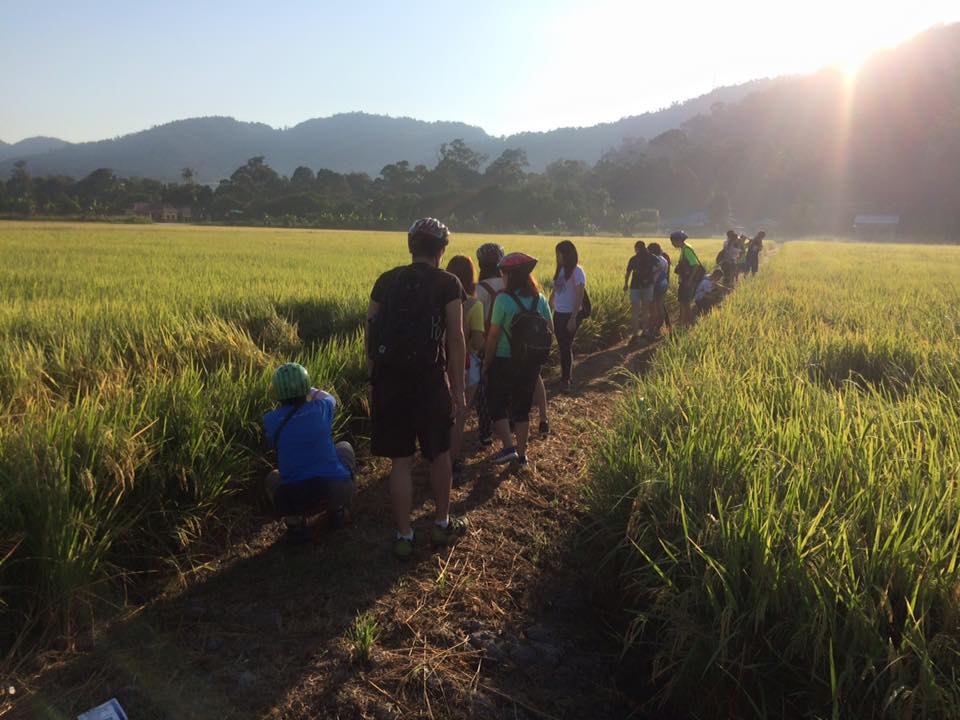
column 271, row 483
column 401, row 491
column 441, row 477
column 501, row 428
column 540, row 398
column 522, row 430
column 634, row 319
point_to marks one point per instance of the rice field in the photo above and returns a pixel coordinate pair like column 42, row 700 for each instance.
column 781, row 493
column 134, row 368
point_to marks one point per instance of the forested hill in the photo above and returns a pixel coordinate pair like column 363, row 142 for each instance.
column 815, row 150
column 354, row 142
column 30, row 146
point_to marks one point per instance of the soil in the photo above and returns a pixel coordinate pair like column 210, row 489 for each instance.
column 504, row 624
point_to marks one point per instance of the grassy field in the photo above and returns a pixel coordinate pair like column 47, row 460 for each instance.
column 134, row 368
column 781, row 491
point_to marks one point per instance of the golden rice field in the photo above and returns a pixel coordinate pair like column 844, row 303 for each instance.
column 134, row 368
column 781, row 494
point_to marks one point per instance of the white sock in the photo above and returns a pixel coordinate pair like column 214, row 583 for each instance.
column 401, row 536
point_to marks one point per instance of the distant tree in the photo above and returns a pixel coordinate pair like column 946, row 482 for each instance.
column 458, row 152
column 20, row 184
column 508, row 169
column 188, row 175
column 303, row 177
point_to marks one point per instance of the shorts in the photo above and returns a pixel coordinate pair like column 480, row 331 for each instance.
column 310, row 496
column 473, row 371
column 510, row 390
column 660, row 289
column 409, row 410
column 685, row 293
column 641, row 295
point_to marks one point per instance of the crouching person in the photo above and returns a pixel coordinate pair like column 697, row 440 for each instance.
column 314, row 474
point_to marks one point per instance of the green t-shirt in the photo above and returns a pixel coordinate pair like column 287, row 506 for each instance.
column 690, row 256
column 504, row 308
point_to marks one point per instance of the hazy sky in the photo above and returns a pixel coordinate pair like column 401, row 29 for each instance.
column 83, row 70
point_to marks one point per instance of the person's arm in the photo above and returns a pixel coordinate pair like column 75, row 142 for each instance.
column 456, row 352
column 317, row 394
column 373, row 310
column 476, row 341
column 490, row 349
column 579, row 291
column 626, row 277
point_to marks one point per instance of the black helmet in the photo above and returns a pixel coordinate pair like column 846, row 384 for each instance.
column 678, row 237
column 427, row 233
column 489, row 254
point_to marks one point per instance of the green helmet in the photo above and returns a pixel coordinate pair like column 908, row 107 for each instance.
column 290, row 381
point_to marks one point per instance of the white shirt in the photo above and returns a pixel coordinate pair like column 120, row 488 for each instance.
column 703, row 289
column 565, row 291
column 486, row 298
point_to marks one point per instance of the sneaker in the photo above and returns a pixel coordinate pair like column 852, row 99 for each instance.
column 544, row 428
column 522, row 460
column 298, row 534
column 458, row 478
column 402, row 548
column 504, row 456
column 457, row 527
column 486, row 441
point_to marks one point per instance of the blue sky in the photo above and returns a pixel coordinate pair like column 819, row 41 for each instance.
column 84, row 70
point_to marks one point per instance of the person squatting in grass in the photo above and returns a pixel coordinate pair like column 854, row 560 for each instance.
column 416, row 357
column 518, row 343
column 710, row 291
column 489, row 256
column 639, row 279
column 754, row 247
column 690, row 271
column 567, row 302
column 313, row 474
column 473, row 331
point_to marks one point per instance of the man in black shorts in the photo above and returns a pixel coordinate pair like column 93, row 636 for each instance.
column 416, row 357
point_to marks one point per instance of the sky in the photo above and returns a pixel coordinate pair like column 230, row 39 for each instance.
column 83, row 70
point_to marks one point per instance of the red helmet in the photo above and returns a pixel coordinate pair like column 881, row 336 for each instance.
column 429, row 231
column 517, row 261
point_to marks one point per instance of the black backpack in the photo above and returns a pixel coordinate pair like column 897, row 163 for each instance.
column 409, row 334
column 586, row 307
column 529, row 335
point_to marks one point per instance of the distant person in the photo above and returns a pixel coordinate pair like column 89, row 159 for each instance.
column 313, row 474
column 754, row 248
column 473, row 331
column 730, row 255
column 661, row 282
column 639, row 279
column 566, row 300
column 518, row 343
column 488, row 257
column 709, row 292
column 416, row 357
column 690, row 271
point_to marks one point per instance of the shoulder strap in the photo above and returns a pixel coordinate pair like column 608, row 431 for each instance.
column 488, row 308
column 283, row 423
column 520, row 304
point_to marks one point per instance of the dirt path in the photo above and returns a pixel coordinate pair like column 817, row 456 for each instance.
column 499, row 626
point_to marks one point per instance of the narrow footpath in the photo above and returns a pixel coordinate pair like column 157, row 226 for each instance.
column 502, row 625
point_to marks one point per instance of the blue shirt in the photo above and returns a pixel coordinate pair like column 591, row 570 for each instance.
column 305, row 445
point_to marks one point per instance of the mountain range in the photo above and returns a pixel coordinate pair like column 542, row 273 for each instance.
column 352, row 142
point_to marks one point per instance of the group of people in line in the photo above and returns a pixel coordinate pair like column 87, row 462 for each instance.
column 440, row 342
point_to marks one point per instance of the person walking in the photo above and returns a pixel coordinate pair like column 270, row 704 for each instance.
column 488, row 257
column 661, row 282
column 518, row 343
column 473, row 332
column 730, row 256
column 416, row 358
column 690, row 271
column 754, row 247
column 639, row 277
column 566, row 301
